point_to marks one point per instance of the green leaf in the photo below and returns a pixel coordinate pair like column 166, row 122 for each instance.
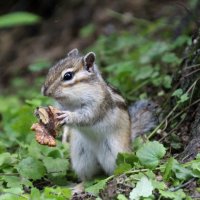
column 150, row 154
column 18, row 18
column 136, row 177
column 168, row 169
column 196, row 169
column 181, row 40
column 66, row 192
column 57, row 193
column 39, row 65
column 125, row 161
column 6, row 159
column 121, row 168
column 160, row 185
column 178, row 195
column 10, row 101
column 177, row 93
column 21, row 121
column 121, row 197
column 56, row 165
column 137, row 143
column 14, row 190
column 35, row 194
column 144, row 72
column 143, row 188
column 12, row 181
column 26, row 182
column 31, row 168
column 198, row 156
column 181, row 172
column 13, row 194
column 157, row 48
column 184, row 98
column 170, row 58
column 129, row 158
column 9, row 196
column 34, row 102
column 56, row 153
column 94, row 189
column 167, row 81
column 87, row 31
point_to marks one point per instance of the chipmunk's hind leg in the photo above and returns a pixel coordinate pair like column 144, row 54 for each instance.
column 83, row 160
column 110, row 148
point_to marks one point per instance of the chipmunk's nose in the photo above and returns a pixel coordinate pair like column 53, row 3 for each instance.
column 45, row 91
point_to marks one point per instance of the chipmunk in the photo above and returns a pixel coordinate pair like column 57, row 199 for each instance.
column 100, row 123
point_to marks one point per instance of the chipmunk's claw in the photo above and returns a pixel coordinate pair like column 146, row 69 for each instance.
column 62, row 117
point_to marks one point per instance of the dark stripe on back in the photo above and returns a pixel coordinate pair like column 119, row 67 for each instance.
column 121, row 105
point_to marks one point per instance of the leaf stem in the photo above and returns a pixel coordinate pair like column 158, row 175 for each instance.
column 163, row 121
column 181, row 186
column 9, row 174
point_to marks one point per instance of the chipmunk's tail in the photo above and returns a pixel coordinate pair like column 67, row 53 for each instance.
column 144, row 117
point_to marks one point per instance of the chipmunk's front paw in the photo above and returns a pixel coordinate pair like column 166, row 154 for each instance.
column 64, row 117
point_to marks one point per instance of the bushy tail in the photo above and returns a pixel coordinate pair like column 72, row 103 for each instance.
column 144, row 117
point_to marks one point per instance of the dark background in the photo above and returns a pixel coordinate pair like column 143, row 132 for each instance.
column 60, row 28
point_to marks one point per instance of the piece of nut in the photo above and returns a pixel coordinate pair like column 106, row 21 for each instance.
column 42, row 114
column 42, row 135
column 46, row 129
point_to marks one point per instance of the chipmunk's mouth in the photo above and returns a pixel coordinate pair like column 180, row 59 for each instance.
column 59, row 97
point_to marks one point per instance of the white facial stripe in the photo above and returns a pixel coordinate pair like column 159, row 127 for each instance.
column 65, row 71
column 80, row 76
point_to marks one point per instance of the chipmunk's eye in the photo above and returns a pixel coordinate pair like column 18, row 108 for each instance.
column 68, row 76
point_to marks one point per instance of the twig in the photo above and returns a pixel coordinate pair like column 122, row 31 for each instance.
column 163, row 121
column 187, row 156
column 192, row 92
column 197, row 101
column 169, row 133
column 192, row 72
column 139, row 86
column 135, row 171
column 193, row 85
column 182, row 186
column 10, row 174
column 196, row 197
column 172, row 111
column 131, row 171
column 192, row 66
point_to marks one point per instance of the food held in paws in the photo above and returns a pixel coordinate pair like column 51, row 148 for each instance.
column 42, row 136
column 47, row 128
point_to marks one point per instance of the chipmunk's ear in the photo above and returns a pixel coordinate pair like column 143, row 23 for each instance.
column 88, row 60
column 73, row 52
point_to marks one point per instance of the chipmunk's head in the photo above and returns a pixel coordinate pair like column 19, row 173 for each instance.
column 71, row 77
